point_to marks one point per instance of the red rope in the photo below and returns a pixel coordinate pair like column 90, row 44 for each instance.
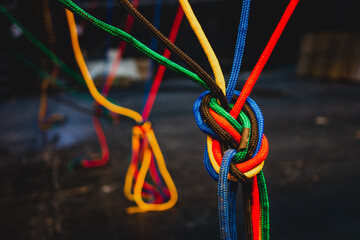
column 105, row 91
column 161, row 70
column 255, row 209
column 235, row 111
column 103, row 144
column 250, row 82
column 119, row 53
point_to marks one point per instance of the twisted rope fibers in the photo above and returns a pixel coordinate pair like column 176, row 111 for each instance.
column 146, row 129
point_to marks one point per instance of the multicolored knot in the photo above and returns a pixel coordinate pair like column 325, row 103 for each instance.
column 235, row 152
column 244, row 134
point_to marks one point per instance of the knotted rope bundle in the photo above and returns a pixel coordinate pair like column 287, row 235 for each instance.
column 225, row 132
column 235, row 151
column 231, row 143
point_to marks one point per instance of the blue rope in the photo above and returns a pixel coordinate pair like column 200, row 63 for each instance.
column 232, row 194
column 205, row 128
column 153, row 46
column 239, row 49
column 227, row 189
column 198, row 118
column 227, row 194
column 259, row 119
column 226, row 202
column 209, row 167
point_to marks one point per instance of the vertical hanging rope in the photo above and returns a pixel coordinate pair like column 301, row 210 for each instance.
column 239, row 49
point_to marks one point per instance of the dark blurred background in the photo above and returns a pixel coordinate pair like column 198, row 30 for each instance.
column 309, row 94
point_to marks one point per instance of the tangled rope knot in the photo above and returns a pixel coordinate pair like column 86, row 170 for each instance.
column 244, row 134
column 158, row 193
column 235, row 152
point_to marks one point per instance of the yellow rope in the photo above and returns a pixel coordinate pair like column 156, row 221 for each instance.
column 219, row 77
column 216, row 166
column 137, row 195
column 88, row 79
column 142, row 206
column 195, row 25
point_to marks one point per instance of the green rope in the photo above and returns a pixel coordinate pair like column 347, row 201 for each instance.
column 244, row 123
column 42, row 47
column 134, row 42
column 264, row 203
column 44, row 74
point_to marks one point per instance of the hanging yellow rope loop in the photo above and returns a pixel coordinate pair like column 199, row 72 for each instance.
column 150, row 146
column 88, row 79
column 143, row 131
column 195, row 25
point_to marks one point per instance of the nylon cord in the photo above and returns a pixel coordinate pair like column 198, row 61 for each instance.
column 137, row 44
column 195, row 25
column 216, row 90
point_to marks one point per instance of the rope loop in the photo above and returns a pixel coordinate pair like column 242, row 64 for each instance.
column 244, row 134
column 147, row 180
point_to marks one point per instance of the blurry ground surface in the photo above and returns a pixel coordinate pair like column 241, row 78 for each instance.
column 312, row 170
